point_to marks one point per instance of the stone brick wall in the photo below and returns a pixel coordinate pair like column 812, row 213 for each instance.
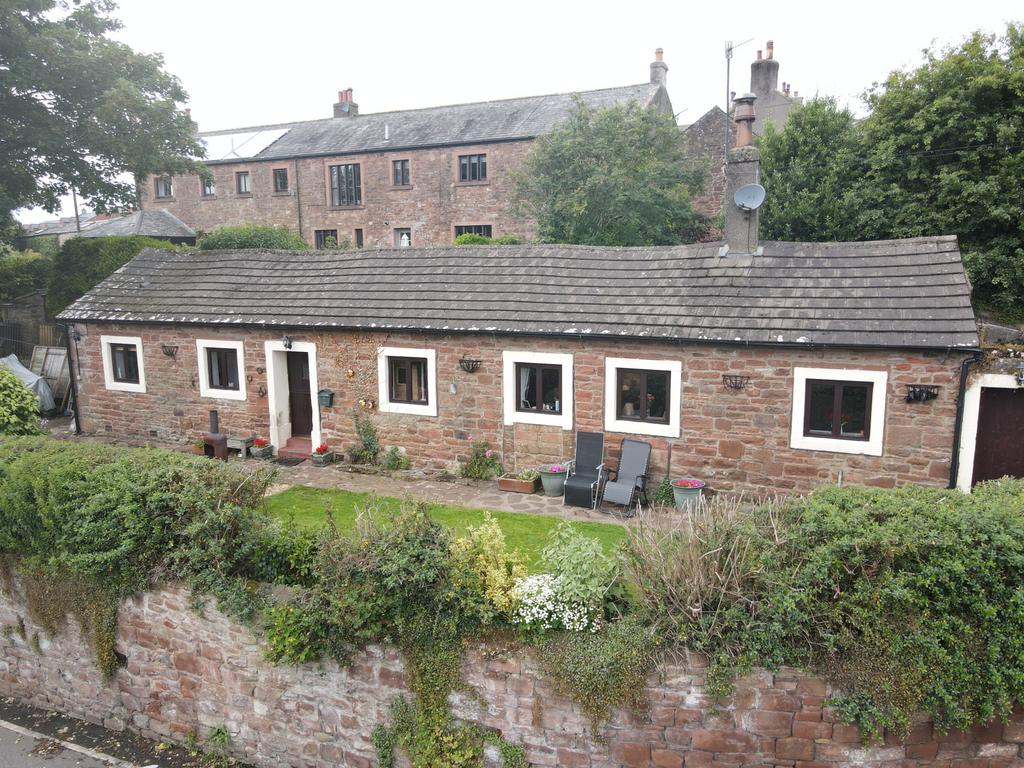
column 736, row 440
column 185, row 672
column 705, row 143
column 431, row 206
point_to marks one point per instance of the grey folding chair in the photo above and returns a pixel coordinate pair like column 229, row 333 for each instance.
column 586, row 470
column 627, row 485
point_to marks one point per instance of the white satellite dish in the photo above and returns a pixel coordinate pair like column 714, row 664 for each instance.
column 749, row 197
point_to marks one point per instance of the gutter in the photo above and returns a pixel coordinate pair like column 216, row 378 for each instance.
column 68, row 330
column 954, row 462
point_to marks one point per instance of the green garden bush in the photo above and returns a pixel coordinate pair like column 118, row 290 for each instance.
column 253, row 236
column 471, row 238
column 22, row 272
column 19, row 407
column 83, row 262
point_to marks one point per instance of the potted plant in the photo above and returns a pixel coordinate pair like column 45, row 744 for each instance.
column 524, row 482
column 687, row 492
column 322, row 455
column 553, row 478
column 261, row 448
column 199, row 447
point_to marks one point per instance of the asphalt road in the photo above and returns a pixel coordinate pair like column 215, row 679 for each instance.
column 19, row 751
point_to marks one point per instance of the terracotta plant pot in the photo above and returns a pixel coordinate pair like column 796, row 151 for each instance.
column 323, row 459
column 515, row 485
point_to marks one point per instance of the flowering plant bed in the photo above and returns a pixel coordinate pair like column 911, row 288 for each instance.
column 553, row 477
column 524, row 482
column 261, row 448
column 686, row 491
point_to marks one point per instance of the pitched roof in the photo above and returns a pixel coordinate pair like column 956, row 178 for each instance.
column 62, row 226
column 896, row 293
column 159, row 223
column 485, row 121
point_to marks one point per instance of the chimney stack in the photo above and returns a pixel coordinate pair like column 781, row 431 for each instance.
column 764, row 73
column 659, row 69
column 346, row 107
column 742, row 167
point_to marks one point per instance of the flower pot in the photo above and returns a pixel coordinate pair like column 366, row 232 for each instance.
column 554, row 482
column 265, row 452
column 687, row 497
column 323, row 459
column 515, row 485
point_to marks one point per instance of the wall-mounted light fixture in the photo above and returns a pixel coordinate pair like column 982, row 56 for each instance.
column 919, row 393
column 287, row 342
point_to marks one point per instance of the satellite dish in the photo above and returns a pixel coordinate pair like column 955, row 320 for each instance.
column 749, row 197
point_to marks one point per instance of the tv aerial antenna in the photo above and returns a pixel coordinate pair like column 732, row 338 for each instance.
column 729, row 48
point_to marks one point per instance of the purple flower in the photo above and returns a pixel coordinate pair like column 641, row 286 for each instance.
column 488, row 453
column 556, row 468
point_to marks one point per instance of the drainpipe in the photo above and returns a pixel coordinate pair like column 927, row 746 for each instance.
column 298, row 198
column 954, row 463
column 68, row 330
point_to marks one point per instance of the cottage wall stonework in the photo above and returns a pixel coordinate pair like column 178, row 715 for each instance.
column 185, row 672
column 737, row 440
column 431, row 206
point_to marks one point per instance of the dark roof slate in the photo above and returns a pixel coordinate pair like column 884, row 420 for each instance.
column 481, row 122
column 159, row 223
column 900, row 293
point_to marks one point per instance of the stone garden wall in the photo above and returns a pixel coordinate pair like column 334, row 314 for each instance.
column 188, row 672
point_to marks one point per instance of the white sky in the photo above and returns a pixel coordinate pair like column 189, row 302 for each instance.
column 249, row 62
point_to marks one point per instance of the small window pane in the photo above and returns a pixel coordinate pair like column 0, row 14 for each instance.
column 209, row 188
column 408, row 380
column 242, row 182
column 346, row 188
column 821, row 407
column 657, row 395
column 163, row 187
column 629, row 395
column 280, row 179
column 539, row 388
column 552, row 389
column 125, row 363
column 222, row 366
column 527, row 388
column 853, row 413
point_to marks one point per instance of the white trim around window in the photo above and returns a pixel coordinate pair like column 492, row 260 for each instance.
column 870, row 447
column 384, row 404
column 508, row 386
column 611, row 407
column 108, row 364
column 205, row 390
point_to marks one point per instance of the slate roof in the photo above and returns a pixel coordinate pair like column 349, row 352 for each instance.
column 159, row 223
column 897, row 293
column 482, row 122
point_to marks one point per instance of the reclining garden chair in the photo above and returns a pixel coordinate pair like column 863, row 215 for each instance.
column 586, row 470
column 629, row 485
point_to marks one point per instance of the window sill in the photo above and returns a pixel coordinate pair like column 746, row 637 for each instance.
column 221, row 394
column 649, row 428
column 207, row 197
column 286, row 193
column 400, row 187
column 412, row 409
column 346, row 208
column 483, row 183
column 164, row 199
column 243, row 194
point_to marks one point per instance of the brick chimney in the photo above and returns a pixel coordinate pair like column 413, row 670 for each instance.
column 659, row 69
column 742, row 167
column 346, row 107
column 764, row 73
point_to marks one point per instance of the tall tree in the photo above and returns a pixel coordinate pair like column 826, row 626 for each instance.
column 81, row 110
column 809, row 171
column 617, row 176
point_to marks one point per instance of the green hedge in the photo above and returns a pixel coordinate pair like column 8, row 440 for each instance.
column 22, row 272
column 253, row 236
column 83, row 262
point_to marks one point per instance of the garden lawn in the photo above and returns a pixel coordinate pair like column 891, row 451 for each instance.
column 525, row 532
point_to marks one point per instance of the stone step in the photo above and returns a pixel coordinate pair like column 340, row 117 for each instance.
column 296, row 448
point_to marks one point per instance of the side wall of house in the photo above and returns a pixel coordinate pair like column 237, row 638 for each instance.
column 735, row 439
column 431, row 206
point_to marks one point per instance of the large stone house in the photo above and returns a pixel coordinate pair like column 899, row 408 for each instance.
column 766, row 366
column 415, row 177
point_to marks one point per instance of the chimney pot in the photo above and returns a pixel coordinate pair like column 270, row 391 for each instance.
column 659, row 69
column 658, row 54
column 743, row 114
column 759, row 55
column 346, row 107
column 770, row 45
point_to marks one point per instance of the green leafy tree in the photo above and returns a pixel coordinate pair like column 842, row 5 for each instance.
column 81, row 110
column 22, row 272
column 83, row 262
column 616, row 176
column 18, row 406
column 808, row 171
column 253, row 236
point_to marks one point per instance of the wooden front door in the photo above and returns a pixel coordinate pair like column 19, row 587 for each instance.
column 299, row 404
column 999, row 447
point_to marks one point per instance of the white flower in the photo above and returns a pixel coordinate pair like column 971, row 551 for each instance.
column 539, row 604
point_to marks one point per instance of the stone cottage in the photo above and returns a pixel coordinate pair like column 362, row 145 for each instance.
column 416, row 177
column 766, row 367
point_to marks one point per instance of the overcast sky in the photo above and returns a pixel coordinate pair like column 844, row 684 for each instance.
column 250, row 62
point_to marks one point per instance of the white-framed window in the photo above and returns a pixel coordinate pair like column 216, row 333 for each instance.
column 642, row 397
column 123, row 367
column 838, row 410
column 537, row 388
column 221, row 369
column 407, row 381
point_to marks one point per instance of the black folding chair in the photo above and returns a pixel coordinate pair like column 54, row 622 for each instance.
column 586, row 470
column 628, row 484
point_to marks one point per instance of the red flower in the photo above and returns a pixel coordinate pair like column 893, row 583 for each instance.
column 321, row 449
column 261, row 442
column 688, row 483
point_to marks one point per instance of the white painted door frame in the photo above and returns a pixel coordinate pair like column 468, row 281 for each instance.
column 969, row 426
column 277, row 390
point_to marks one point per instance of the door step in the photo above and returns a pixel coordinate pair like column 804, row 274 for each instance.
column 296, row 448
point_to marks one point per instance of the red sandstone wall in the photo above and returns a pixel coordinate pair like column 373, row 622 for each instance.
column 188, row 672
column 737, row 440
column 431, row 207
